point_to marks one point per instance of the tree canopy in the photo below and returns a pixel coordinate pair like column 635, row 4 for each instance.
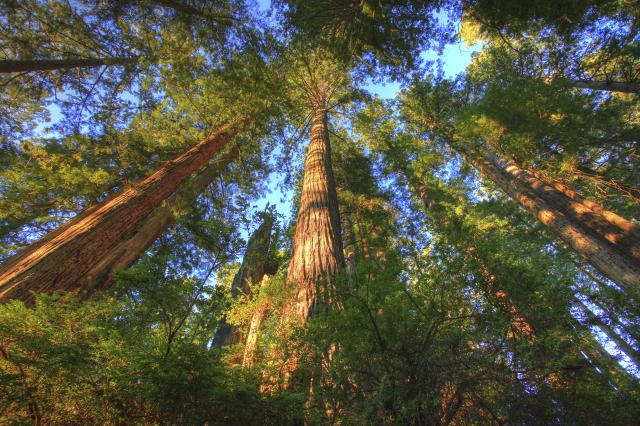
column 210, row 214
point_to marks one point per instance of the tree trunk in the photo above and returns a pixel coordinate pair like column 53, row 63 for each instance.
column 348, row 241
column 364, row 238
column 251, row 345
column 317, row 246
column 61, row 259
column 255, row 265
column 624, row 346
column 610, row 86
column 127, row 251
column 613, row 317
column 587, row 173
column 26, row 65
column 518, row 321
column 615, row 227
column 609, row 243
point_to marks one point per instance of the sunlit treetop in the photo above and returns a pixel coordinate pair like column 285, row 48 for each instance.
column 382, row 36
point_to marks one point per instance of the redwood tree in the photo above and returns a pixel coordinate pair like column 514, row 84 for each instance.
column 127, row 251
column 318, row 83
column 606, row 240
column 60, row 260
column 317, row 244
column 610, row 242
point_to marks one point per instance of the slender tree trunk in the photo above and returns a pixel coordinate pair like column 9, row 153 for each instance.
column 317, row 246
column 609, row 243
column 251, row 345
column 610, row 86
column 614, row 317
column 127, row 251
column 518, row 320
column 348, row 241
column 60, row 260
column 364, row 238
column 26, row 65
column 624, row 346
column 255, row 265
column 602, row 361
column 507, row 305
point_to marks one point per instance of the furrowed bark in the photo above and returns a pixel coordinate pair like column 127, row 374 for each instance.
column 317, row 246
column 125, row 253
column 609, row 248
column 26, row 65
column 624, row 225
column 255, row 265
column 61, row 259
column 587, row 173
column 624, row 234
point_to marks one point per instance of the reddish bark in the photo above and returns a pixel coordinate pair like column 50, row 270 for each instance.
column 317, row 246
column 61, row 259
column 125, row 253
column 518, row 321
column 610, row 243
column 251, row 344
column 348, row 241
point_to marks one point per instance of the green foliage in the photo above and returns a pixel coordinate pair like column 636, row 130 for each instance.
column 379, row 34
column 456, row 307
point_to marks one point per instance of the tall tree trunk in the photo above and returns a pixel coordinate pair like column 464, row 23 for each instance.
column 26, row 65
column 348, row 241
column 609, row 242
column 586, row 173
column 317, row 246
column 612, row 316
column 610, row 86
column 251, row 345
column 127, row 251
column 61, row 259
column 255, row 265
column 602, row 361
column 624, row 346
column 364, row 237
column 621, row 226
column 518, row 321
